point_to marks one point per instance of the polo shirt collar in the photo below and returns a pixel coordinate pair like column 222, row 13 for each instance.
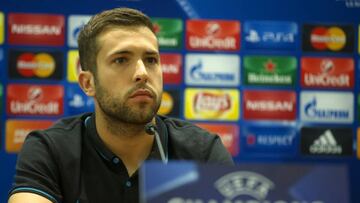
column 109, row 156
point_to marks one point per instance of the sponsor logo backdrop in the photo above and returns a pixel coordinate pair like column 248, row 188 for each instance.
column 264, row 81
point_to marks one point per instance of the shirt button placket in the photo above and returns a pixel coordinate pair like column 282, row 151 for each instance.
column 116, row 160
column 128, row 183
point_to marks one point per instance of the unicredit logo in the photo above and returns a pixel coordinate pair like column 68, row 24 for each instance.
column 212, row 102
column 333, row 38
column 327, row 72
column 212, row 35
column 213, row 43
column 25, row 99
column 325, row 78
column 33, row 106
column 35, row 93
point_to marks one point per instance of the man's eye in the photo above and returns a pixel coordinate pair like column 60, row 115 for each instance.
column 120, row 60
column 152, row 60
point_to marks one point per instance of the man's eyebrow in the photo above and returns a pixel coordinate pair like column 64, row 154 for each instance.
column 121, row 52
column 152, row 53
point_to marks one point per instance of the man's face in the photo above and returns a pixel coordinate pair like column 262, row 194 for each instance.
column 128, row 83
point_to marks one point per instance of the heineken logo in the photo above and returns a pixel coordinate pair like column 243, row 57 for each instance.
column 168, row 32
column 273, row 70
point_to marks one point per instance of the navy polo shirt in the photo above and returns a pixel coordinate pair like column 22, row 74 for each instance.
column 69, row 162
column 102, row 175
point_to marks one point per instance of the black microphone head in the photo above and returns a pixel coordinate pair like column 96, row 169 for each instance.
column 150, row 128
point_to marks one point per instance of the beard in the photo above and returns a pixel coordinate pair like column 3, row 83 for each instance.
column 120, row 110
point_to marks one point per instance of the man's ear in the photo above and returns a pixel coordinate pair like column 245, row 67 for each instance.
column 86, row 82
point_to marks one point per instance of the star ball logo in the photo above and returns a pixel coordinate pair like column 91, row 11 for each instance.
column 328, row 38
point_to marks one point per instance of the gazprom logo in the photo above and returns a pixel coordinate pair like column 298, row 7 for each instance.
column 76, row 23
column 332, row 107
column 197, row 73
column 212, row 69
column 241, row 183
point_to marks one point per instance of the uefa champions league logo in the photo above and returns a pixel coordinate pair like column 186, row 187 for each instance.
column 241, row 183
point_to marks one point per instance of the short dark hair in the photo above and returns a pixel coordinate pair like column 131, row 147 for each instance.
column 87, row 40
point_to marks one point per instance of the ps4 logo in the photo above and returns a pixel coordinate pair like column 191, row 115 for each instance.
column 274, row 37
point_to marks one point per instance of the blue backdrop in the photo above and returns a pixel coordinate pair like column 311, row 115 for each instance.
column 301, row 12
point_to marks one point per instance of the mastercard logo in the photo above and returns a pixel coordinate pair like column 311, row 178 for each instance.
column 332, row 38
column 167, row 104
column 41, row 65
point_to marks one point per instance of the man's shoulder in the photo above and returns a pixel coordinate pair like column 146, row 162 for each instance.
column 188, row 141
column 67, row 126
column 64, row 133
column 179, row 127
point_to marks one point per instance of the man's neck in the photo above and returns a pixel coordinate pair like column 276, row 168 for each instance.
column 129, row 142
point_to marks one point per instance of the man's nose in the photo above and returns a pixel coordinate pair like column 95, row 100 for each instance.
column 141, row 73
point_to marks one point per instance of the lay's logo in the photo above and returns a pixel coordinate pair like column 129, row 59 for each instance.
column 328, row 38
column 211, row 104
column 35, row 65
column 42, row 100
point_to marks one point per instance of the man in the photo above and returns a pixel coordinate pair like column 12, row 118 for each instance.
column 94, row 157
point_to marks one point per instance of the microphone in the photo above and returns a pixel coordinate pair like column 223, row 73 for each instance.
column 151, row 130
